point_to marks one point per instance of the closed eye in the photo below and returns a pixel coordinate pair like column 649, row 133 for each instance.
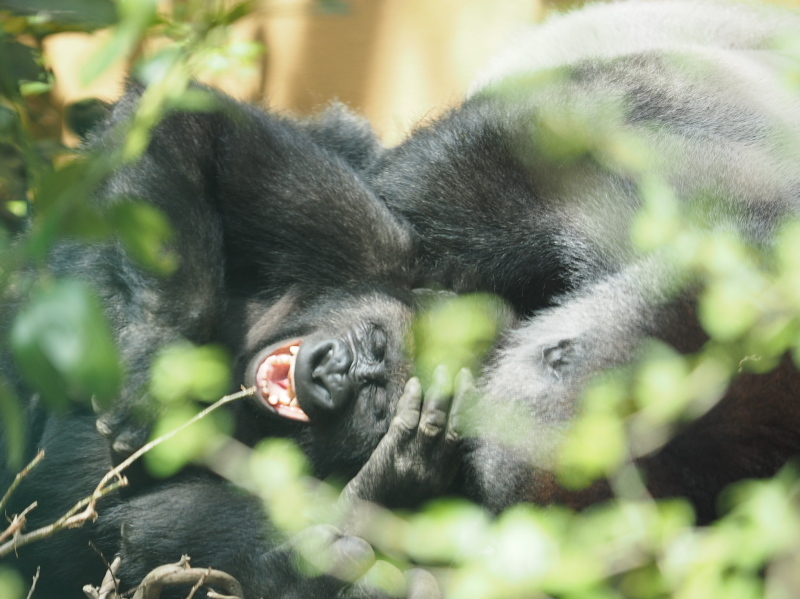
column 378, row 341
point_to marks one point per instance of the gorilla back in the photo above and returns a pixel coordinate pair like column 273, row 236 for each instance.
column 530, row 187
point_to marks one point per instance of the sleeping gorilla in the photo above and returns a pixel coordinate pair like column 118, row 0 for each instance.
column 289, row 261
column 518, row 191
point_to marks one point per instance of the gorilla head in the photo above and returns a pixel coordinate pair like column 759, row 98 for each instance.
column 330, row 375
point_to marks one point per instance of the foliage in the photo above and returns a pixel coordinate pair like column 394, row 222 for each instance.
column 632, row 547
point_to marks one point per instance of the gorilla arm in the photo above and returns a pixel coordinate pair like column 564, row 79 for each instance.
column 538, row 377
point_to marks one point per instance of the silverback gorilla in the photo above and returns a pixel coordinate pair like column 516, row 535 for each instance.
column 514, row 192
column 288, row 260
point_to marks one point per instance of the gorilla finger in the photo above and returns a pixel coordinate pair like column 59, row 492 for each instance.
column 437, row 403
column 352, row 557
column 109, row 423
column 422, row 585
column 383, row 581
column 325, row 550
column 130, row 440
column 465, row 391
column 408, row 406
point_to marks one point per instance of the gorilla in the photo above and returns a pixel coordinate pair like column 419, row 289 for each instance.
column 525, row 190
column 289, row 261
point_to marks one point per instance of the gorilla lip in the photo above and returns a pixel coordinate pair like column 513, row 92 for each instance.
column 275, row 381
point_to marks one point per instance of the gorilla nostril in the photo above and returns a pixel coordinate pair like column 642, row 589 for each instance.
column 322, row 376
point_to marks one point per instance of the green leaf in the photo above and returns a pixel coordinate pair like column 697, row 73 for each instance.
column 386, row 578
column 144, row 230
column 238, row 11
column 90, row 13
column 13, row 426
column 446, row 530
column 279, row 471
column 183, row 371
column 34, row 88
column 63, row 346
column 18, row 62
column 195, row 442
column 457, row 332
column 594, row 447
column 11, row 584
column 135, row 17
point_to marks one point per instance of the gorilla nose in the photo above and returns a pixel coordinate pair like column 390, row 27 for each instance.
column 322, row 377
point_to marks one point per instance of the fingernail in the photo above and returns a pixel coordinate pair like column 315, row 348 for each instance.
column 413, row 385
column 464, row 380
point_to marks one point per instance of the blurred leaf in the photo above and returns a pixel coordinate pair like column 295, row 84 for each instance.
column 189, row 445
column 457, row 332
column 279, row 470
column 63, row 208
column 145, row 231
column 92, row 14
column 765, row 515
column 386, row 578
column 446, row 530
column 63, row 346
column 11, row 584
column 18, row 62
column 194, row 99
column 594, row 447
column 183, row 371
column 658, row 221
column 332, row 7
column 237, row 11
column 13, row 423
column 18, row 208
column 156, row 67
column 135, row 17
column 114, row 49
column 726, row 309
column 525, row 549
column 34, row 88
column 662, row 383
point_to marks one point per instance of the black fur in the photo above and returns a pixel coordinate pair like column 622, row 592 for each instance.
column 279, row 241
column 515, row 192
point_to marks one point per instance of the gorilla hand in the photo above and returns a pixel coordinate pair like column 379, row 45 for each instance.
column 417, row 459
column 127, row 424
column 323, row 562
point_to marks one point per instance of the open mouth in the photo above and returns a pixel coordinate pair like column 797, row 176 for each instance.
column 275, row 382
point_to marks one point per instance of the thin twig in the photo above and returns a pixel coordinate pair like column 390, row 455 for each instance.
column 34, row 581
column 198, row 585
column 108, row 588
column 182, row 573
column 84, row 510
column 18, row 479
column 17, row 522
column 116, row 472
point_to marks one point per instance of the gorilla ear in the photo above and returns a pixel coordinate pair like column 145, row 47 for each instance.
column 342, row 132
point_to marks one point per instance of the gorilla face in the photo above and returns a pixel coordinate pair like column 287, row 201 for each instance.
column 320, row 375
column 329, row 376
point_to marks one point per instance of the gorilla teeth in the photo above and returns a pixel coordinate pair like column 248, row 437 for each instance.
column 275, row 378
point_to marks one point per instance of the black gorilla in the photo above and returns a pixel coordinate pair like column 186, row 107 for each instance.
column 288, row 260
column 518, row 192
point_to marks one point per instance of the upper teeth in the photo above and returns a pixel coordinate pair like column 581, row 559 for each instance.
column 279, row 359
column 277, row 390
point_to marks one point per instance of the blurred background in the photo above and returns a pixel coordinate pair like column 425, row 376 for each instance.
column 394, row 61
